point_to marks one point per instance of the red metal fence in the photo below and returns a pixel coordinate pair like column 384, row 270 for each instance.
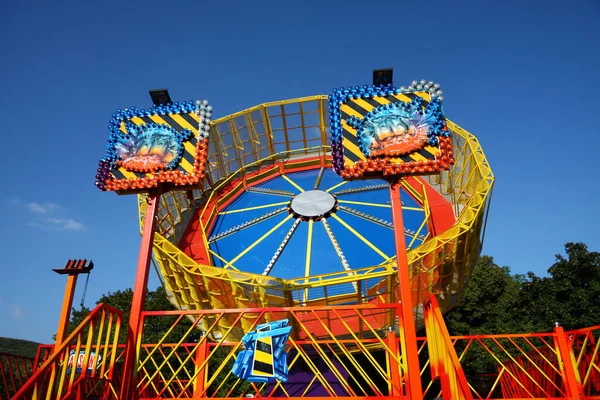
column 14, row 372
column 179, row 361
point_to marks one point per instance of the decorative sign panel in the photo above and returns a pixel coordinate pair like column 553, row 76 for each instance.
column 381, row 131
column 166, row 145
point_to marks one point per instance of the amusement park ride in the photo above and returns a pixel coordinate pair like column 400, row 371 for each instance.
column 304, row 244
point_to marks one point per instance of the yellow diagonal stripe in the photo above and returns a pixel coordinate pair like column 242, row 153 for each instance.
column 293, row 183
column 260, row 373
column 433, row 150
column 336, row 186
column 347, row 127
column 181, row 121
column 253, row 208
column 417, row 157
column 263, row 237
column 263, row 357
column 362, row 203
column 381, row 100
column 351, row 146
column 403, row 98
column 127, row 174
column 266, row 340
column 425, row 96
column 364, row 104
column 350, row 111
column 138, row 121
column 361, row 237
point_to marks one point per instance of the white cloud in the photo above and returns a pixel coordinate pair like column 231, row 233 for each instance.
column 58, row 224
column 44, row 208
column 50, row 219
column 17, row 313
column 14, row 200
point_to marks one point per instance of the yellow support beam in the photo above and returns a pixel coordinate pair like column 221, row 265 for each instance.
column 362, row 203
column 308, row 256
column 214, row 253
column 336, row 186
column 361, row 237
column 254, row 208
column 260, row 239
column 412, row 208
column 308, row 249
column 293, row 183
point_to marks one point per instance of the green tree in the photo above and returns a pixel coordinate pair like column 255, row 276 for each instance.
column 488, row 301
column 486, row 307
column 494, row 301
column 570, row 295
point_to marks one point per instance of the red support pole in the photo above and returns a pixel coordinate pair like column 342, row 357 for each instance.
column 574, row 388
column 412, row 378
column 134, row 333
column 201, row 355
column 396, row 384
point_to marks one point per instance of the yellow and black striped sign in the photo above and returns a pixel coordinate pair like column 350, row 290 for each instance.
column 179, row 122
column 263, row 357
column 359, row 108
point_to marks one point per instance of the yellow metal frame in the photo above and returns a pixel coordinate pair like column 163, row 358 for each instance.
column 265, row 137
column 173, row 369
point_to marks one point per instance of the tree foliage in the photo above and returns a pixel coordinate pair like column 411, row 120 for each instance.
column 494, row 301
column 489, row 293
column 18, row 347
column 154, row 328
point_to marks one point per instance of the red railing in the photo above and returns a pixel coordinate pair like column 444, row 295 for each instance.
column 14, row 372
column 176, row 361
column 82, row 364
column 562, row 365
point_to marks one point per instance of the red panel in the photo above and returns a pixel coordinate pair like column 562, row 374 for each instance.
column 442, row 214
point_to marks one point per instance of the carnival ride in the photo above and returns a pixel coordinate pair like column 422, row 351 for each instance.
column 306, row 210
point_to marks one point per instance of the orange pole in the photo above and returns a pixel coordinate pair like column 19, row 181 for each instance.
column 128, row 384
column 450, row 360
column 412, row 377
column 574, row 388
column 65, row 314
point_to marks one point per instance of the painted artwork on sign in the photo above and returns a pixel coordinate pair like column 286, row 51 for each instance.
column 166, row 145
column 381, row 131
column 396, row 130
column 150, row 147
column 264, row 358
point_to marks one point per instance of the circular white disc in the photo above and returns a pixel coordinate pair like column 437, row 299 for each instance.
column 313, row 203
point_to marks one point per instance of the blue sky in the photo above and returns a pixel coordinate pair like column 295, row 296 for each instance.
column 522, row 76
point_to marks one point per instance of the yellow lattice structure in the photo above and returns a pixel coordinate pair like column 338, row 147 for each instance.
column 281, row 136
